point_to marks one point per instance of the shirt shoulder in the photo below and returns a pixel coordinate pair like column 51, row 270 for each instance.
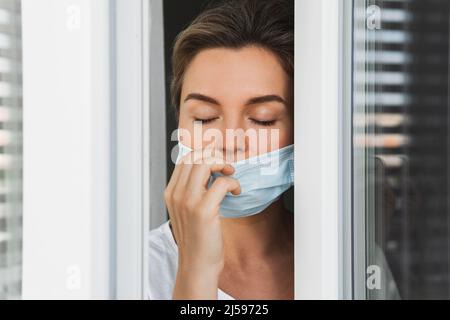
column 163, row 265
column 163, row 260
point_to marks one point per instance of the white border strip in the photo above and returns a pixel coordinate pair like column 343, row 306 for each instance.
column 317, row 203
column 130, row 141
column 141, row 143
column 66, row 227
column 155, row 134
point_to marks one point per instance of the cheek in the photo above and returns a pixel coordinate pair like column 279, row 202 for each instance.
column 288, row 137
column 183, row 118
column 194, row 137
column 289, row 127
column 286, row 132
column 285, row 137
column 185, row 130
column 273, row 139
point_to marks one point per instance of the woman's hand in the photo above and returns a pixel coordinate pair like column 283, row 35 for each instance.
column 195, row 220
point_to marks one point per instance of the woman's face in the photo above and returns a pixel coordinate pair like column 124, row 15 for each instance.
column 243, row 100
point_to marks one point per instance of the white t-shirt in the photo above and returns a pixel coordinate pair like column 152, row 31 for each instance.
column 163, row 264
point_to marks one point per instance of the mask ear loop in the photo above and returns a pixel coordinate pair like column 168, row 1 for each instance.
column 291, row 170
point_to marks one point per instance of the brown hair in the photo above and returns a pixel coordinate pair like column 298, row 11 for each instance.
column 235, row 24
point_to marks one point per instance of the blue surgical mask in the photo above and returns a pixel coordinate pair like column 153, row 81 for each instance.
column 263, row 180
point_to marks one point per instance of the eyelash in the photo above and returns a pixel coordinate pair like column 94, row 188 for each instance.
column 261, row 123
column 205, row 121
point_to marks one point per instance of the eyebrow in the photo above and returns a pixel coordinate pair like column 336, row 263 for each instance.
column 251, row 101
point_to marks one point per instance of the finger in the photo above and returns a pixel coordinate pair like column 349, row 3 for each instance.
column 183, row 177
column 188, row 162
column 176, row 173
column 188, row 158
column 200, row 175
column 219, row 190
column 174, row 177
column 196, row 158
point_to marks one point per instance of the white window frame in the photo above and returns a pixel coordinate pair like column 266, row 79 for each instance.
column 67, row 167
column 93, row 145
column 323, row 148
column 103, row 215
column 141, row 139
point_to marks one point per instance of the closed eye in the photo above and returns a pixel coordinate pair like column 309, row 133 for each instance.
column 257, row 122
column 205, row 121
column 263, row 123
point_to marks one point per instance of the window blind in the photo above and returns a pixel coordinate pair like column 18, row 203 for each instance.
column 10, row 150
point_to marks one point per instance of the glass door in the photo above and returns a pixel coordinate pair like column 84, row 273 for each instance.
column 10, row 149
column 401, row 144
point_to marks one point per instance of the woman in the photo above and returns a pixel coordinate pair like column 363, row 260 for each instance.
column 233, row 70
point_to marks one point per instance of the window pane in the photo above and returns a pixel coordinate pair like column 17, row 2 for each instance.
column 401, row 134
column 10, row 150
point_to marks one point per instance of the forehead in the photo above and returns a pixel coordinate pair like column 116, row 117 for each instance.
column 226, row 73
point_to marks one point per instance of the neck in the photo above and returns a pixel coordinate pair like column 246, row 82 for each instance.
column 267, row 233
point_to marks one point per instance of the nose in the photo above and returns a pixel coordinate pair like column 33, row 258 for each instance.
column 234, row 140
